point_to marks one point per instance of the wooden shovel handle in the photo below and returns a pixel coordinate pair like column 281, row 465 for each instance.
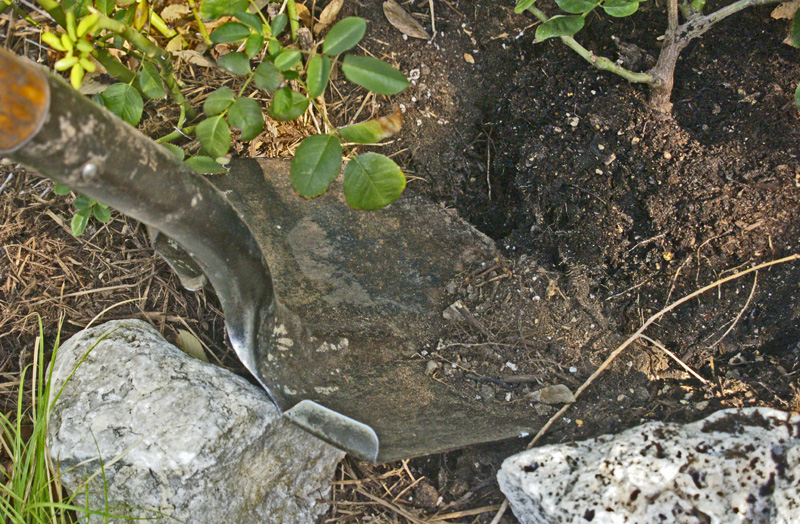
column 24, row 100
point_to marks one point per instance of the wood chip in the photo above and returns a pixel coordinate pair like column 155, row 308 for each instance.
column 402, row 21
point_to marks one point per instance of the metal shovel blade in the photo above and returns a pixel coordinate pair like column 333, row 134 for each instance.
column 326, row 306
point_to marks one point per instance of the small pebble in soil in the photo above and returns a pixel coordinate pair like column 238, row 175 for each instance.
column 667, row 155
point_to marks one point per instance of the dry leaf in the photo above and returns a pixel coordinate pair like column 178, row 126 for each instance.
column 786, row 10
column 402, row 21
column 328, row 15
column 176, row 44
column 468, row 58
column 191, row 345
column 193, row 57
column 175, row 12
column 304, row 15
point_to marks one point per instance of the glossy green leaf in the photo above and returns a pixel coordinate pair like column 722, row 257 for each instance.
column 213, row 9
column 274, row 47
column 620, row 8
column 344, row 35
column 218, row 101
column 214, row 135
column 287, row 104
column 576, row 7
column 246, row 116
column 559, row 26
column 267, row 77
column 318, row 74
column 797, row 96
column 105, row 6
column 377, row 76
column 372, row 131
column 125, row 102
column 250, row 20
column 236, row 63
column 287, row 59
column 278, row 24
column 101, row 213
column 176, row 151
column 230, row 32
column 60, row 189
column 372, row 181
column 83, row 202
column 316, row 164
column 523, row 5
column 254, row 44
column 79, row 221
column 794, row 30
column 204, row 165
column 150, row 82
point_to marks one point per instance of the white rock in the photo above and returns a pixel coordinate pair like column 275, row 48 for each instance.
column 190, row 440
column 735, row 466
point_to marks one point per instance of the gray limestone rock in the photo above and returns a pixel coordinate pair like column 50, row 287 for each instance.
column 735, row 466
column 178, row 437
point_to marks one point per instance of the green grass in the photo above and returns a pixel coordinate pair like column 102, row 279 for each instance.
column 31, row 491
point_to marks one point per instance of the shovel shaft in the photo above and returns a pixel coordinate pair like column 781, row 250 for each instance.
column 46, row 125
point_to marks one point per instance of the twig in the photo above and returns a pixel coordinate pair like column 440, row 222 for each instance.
column 672, row 355
column 741, row 312
column 500, row 512
column 433, row 18
column 393, row 507
column 466, row 513
column 8, row 179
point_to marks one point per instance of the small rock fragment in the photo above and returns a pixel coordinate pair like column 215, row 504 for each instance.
column 468, row 58
column 558, row 394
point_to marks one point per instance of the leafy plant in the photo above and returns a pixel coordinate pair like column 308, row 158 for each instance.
column 371, row 180
column 660, row 78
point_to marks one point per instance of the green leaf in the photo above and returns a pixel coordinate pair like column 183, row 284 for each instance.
column 176, row 151
column 278, row 24
column 287, row 104
column 213, row 9
column 83, row 202
column 559, row 26
column 236, row 63
column 318, row 74
column 576, row 7
column 62, row 190
column 250, row 20
column 214, row 135
column 79, row 221
column 274, row 47
column 267, row 77
column 253, row 45
column 230, row 32
column 101, row 213
column 794, row 30
column 797, row 96
column 344, row 35
column 150, row 82
column 620, row 8
column 204, row 165
column 372, row 131
column 377, row 76
column 291, row 75
column 105, row 6
column 125, row 102
column 523, row 5
column 372, row 181
column 218, row 101
column 315, row 165
column 246, row 116
column 287, row 59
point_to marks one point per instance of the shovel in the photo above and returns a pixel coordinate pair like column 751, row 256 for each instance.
column 326, row 306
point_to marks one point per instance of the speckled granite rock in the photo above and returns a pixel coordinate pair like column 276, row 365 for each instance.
column 197, row 442
column 735, row 466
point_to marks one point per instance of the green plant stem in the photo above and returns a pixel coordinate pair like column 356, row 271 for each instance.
column 178, row 133
column 294, row 22
column 158, row 23
column 154, row 53
column 114, row 67
column 54, row 9
column 200, row 25
column 5, row 5
column 599, row 62
column 699, row 25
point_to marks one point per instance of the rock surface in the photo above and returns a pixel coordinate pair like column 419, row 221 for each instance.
column 179, row 437
column 735, row 466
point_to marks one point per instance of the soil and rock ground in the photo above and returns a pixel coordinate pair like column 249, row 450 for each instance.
column 604, row 211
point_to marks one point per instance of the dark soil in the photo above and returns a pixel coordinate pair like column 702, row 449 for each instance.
column 605, row 211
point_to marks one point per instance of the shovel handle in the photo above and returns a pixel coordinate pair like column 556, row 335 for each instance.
column 48, row 126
